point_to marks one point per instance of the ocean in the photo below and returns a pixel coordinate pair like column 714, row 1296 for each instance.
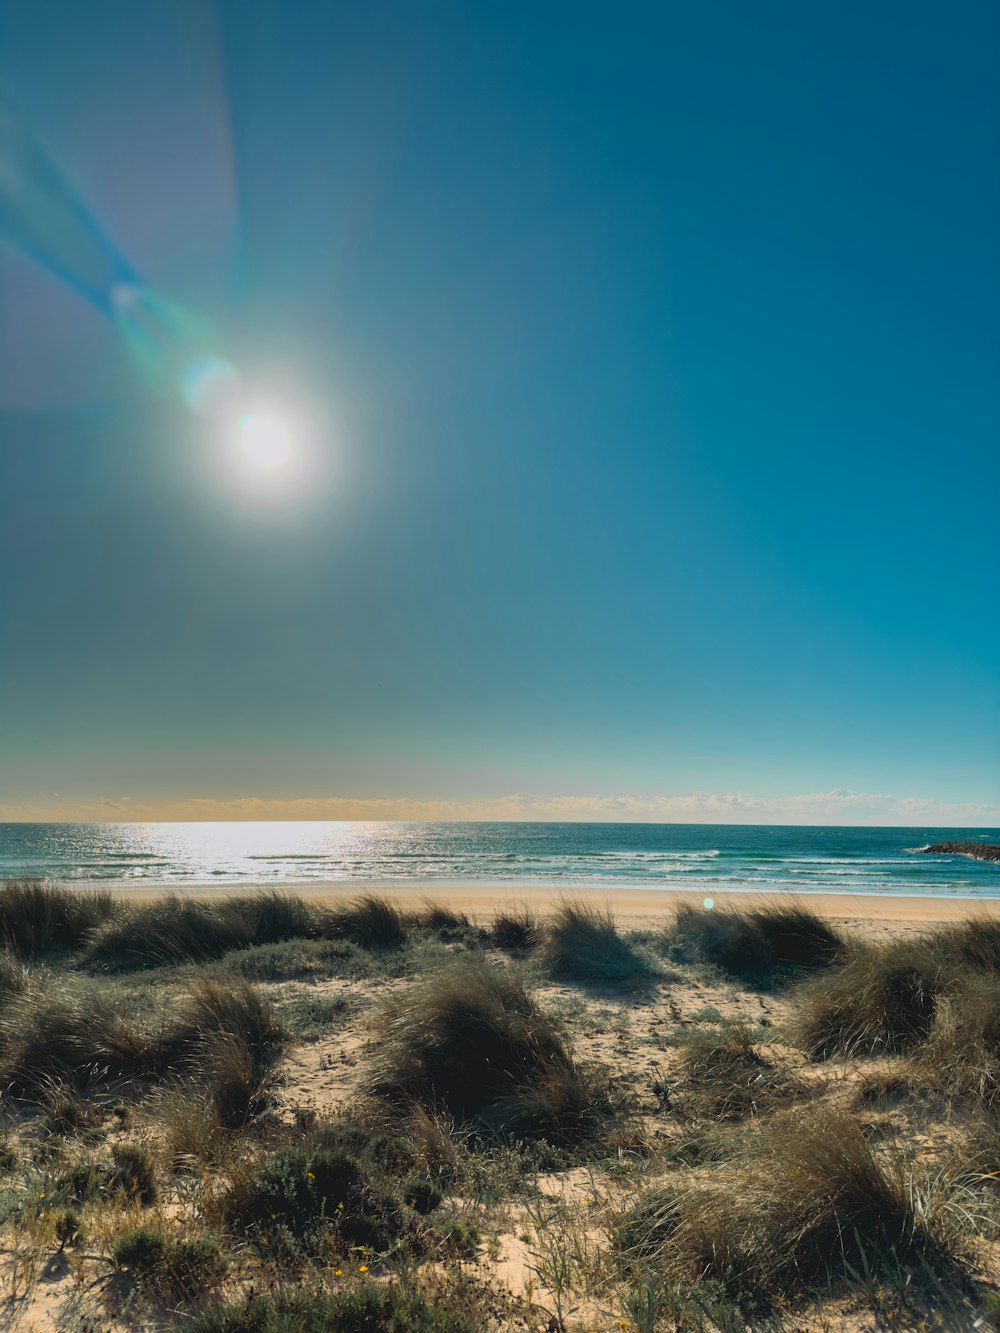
column 703, row 858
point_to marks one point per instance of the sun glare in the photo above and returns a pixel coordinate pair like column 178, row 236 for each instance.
column 265, row 442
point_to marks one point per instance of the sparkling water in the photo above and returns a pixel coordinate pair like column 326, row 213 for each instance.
column 704, row 858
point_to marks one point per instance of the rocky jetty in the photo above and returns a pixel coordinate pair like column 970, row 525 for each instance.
column 982, row 851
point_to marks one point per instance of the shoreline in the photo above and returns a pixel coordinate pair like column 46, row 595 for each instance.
column 633, row 907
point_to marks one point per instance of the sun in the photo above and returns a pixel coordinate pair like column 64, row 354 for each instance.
column 265, row 442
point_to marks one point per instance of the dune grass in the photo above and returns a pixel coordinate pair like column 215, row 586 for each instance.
column 581, row 942
column 879, row 1001
column 515, row 928
column 767, row 945
column 370, row 921
column 173, row 929
column 472, row 1041
column 37, row 918
column 727, row 1076
column 807, row 1203
column 84, row 1035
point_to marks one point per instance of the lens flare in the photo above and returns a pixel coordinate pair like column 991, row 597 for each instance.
column 265, row 442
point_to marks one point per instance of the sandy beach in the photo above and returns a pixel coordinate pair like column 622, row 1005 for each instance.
column 634, row 909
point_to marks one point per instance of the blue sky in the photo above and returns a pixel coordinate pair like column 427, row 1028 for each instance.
column 645, row 363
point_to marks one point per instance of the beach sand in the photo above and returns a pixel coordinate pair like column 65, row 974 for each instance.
column 634, row 909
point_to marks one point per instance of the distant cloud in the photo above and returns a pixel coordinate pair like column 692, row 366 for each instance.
column 839, row 806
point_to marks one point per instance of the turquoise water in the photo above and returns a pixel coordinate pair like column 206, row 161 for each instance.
column 700, row 857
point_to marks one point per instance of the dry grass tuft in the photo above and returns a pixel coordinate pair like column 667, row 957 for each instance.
column 879, row 1001
column 581, row 943
column 472, row 1042
column 515, row 928
column 727, row 1077
column 36, row 918
column 809, row 1202
column 762, row 944
column 372, row 922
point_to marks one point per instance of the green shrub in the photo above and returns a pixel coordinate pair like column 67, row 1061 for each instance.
column 139, row 1249
column 582, row 943
column 423, row 1195
column 460, row 1240
column 297, row 1196
column 192, row 1266
column 374, row 1309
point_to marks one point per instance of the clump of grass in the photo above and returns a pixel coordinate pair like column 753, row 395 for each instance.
column 727, row 1076
column 799, row 937
column 69, row 1228
column 81, row 1183
column 811, row 1201
column 372, row 922
column 732, row 941
column 297, row 1197
column 65, row 1040
column 73, row 1034
column 175, row 929
column 581, row 943
column 448, row 925
column 140, row 1249
column 376, row 1309
column 961, row 1056
column 36, row 918
column 879, row 1001
column 643, row 1230
column 764, row 944
column 472, row 1041
column 228, row 1036
column 66, row 1110
column 515, row 928
column 973, row 944
column 14, row 975
column 133, row 1173
column 170, row 929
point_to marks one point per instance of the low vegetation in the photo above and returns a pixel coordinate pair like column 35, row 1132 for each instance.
column 770, row 945
column 473, row 1041
column 257, row 1113
column 582, row 943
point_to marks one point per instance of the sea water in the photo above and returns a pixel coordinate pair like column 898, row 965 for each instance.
column 702, row 858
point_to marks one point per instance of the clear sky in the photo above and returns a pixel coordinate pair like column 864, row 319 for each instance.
column 644, row 363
